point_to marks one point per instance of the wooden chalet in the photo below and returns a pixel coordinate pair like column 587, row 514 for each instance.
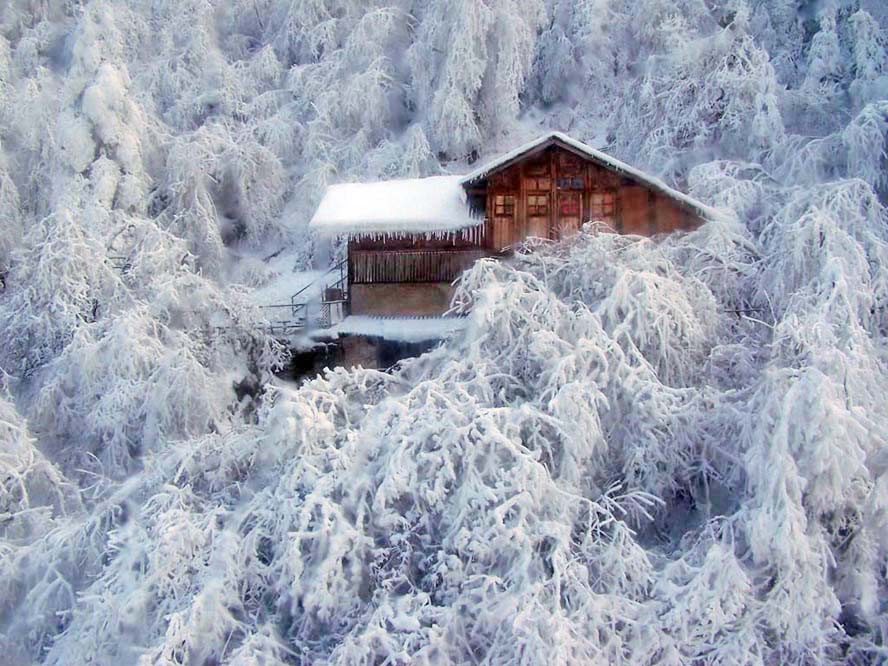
column 408, row 240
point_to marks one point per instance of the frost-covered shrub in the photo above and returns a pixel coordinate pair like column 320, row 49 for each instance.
column 10, row 214
column 579, row 55
column 866, row 140
column 76, row 141
column 869, row 59
column 745, row 189
column 359, row 561
column 633, row 288
column 539, row 470
column 149, row 385
column 475, row 88
column 35, row 499
column 857, row 151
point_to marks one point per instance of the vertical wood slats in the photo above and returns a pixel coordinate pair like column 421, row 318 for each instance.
column 388, row 266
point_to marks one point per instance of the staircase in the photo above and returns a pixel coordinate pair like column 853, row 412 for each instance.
column 305, row 312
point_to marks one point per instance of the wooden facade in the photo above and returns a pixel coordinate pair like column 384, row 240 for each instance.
column 409, row 275
column 548, row 192
column 551, row 194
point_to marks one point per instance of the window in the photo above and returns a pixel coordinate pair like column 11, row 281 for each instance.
column 603, row 206
column 537, row 184
column 537, row 205
column 575, row 183
column 503, row 205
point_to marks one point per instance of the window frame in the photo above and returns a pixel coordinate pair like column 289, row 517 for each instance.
column 603, row 205
column 539, row 204
column 504, row 205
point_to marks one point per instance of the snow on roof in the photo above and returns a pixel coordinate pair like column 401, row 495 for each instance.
column 401, row 329
column 596, row 155
column 415, row 205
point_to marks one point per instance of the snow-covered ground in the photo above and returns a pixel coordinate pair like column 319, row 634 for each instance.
column 275, row 283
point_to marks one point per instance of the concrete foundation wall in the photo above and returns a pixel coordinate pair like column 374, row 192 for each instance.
column 401, row 300
column 359, row 351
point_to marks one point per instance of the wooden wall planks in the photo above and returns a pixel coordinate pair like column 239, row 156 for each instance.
column 392, row 266
column 553, row 193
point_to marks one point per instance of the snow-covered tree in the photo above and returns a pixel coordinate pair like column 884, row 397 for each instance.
column 718, row 90
column 870, row 59
column 469, row 63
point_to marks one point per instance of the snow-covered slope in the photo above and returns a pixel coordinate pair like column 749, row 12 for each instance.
column 635, row 452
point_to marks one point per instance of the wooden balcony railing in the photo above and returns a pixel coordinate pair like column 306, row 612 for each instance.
column 381, row 266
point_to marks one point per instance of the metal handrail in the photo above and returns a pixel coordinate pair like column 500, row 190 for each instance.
column 338, row 267
column 299, row 309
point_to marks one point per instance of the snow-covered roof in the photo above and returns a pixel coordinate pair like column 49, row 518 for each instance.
column 417, row 205
column 595, row 155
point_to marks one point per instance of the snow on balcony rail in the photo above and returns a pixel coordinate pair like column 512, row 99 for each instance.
column 400, row 329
